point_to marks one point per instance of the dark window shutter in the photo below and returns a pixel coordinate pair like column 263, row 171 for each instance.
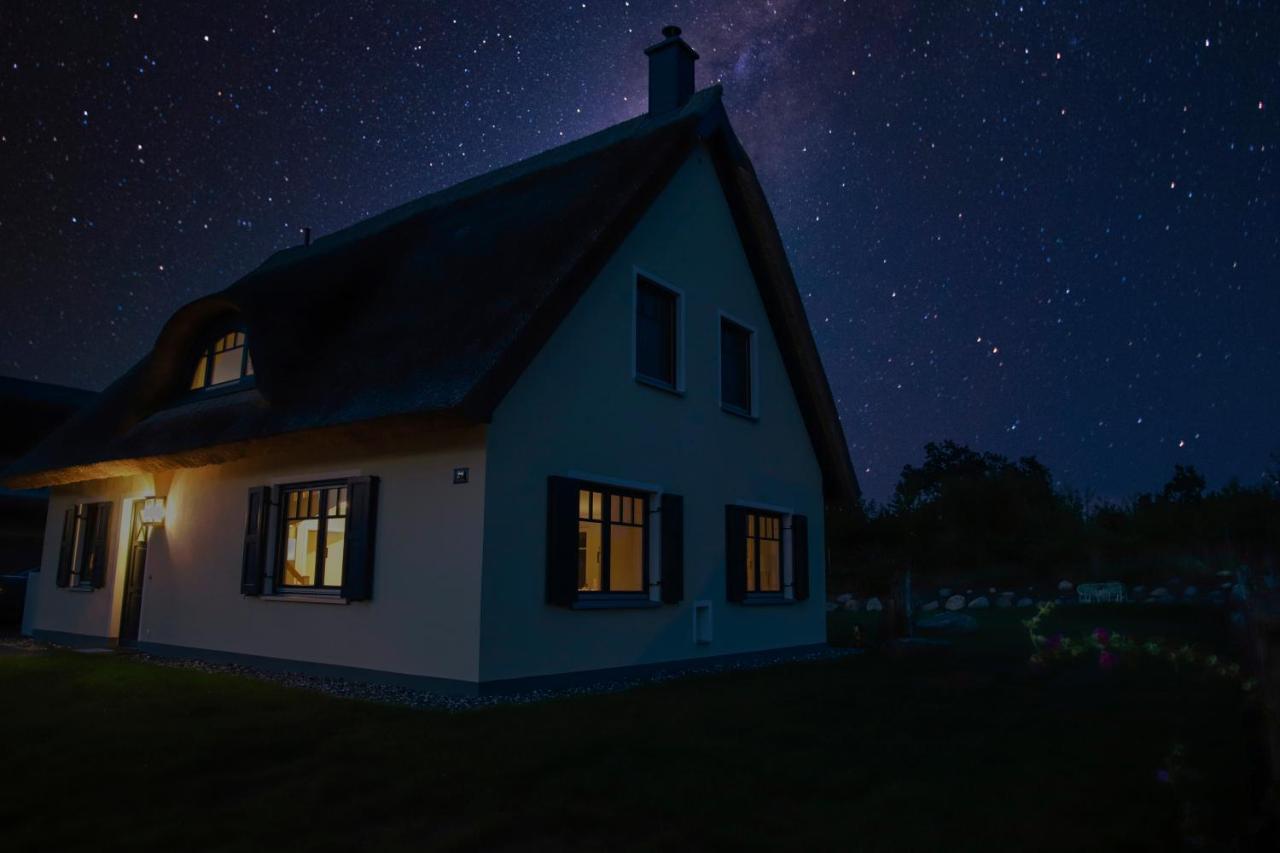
column 98, row 523
column 672, row 533
column 562, row 541
column 255, row 541
column 67, row 551
column 362, row 521
column 735, row 553
column 799, row 557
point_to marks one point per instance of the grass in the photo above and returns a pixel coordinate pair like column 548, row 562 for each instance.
column 961, row 750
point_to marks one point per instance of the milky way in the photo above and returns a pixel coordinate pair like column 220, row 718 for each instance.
column 1042, row 228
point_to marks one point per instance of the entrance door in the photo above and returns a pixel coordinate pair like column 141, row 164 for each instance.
column 135, row 574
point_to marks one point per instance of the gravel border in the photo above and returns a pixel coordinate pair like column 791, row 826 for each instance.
column 405, row 696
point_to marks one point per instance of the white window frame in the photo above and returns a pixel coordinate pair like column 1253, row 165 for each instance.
column 636, row 274
column 754, row 367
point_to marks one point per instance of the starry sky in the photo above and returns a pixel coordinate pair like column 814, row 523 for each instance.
column 1046, row 228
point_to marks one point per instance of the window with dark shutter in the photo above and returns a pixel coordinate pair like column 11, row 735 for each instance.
column 66, row 554
column 672, row 539
column 563, row 568
column 97, row 529
column 735, row 553
column 756, row 556
column 656, row 333
column 357, row 576
column 598, row 541
column 799, row 557
column 735, row 367
column 83, row 555
column 253, row 564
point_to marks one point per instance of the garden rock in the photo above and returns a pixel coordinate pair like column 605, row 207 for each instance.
column 874, row 605
column 843, row 597
column 1065, row 586
column 852, row 604
column 1160, row 595
column 1025, row 602
column 1138, row 590
column 980, row 603
column 955, row 602
column 945, row 592
column 929, row 606
column 1190, row 592
column 949, row 623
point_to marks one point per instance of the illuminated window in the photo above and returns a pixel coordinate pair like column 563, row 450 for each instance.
column 313, row 538
column 764, row 552
column 657, row 334
column 612, row 541
column 223, row 362
column 735, row 368
column 84, row 556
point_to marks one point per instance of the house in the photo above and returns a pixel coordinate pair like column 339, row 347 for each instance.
column 564, row 417
column 33, row 410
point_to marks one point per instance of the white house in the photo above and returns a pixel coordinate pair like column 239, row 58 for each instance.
column 564, row 417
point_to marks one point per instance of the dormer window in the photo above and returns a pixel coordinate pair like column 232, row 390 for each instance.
column 223, row 362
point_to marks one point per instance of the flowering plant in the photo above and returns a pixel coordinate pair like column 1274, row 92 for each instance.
column 1111, row 647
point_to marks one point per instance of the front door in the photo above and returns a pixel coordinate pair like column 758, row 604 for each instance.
column 135, row 574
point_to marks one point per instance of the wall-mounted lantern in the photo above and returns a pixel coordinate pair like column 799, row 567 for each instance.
column 153, row 511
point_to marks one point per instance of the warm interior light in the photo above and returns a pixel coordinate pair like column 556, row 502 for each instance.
column 153, row 511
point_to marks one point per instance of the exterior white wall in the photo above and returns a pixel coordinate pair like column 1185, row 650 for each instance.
column 83, row 610
column 577, row 411
column 423, row 617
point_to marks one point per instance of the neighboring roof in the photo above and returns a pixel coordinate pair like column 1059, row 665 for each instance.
column 33, row 410
column 433, row 309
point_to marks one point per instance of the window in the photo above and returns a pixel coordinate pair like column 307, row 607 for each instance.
column 735, row 367
column 223, row 362
column 612, row 541
column 323, row 536
column 611, row 546
column 83, row 558
column 764, row 552
column 766, row 556
column 657, row 334
column 313, row 536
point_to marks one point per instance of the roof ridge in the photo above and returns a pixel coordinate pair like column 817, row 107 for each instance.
column 702, row 101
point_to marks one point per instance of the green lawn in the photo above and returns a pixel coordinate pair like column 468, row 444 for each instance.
column 955, row 750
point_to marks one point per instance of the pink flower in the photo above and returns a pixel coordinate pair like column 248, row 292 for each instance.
column 1053, row 642
column 1106, row 659
column 1102, row 636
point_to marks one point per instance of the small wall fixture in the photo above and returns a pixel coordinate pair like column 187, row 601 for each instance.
column 153, row 511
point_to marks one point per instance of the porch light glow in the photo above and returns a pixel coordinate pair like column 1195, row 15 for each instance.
column 153, row 511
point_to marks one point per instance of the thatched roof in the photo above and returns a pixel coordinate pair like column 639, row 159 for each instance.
column 431, row 311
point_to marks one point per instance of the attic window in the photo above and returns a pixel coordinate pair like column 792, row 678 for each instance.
column 223, row 362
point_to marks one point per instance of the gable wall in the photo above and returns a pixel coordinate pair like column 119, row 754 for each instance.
column 577, row 409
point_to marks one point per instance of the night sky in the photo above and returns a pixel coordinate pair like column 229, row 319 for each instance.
column 1039, row 228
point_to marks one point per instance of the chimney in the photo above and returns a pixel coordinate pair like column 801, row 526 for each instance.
column 670, row 72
